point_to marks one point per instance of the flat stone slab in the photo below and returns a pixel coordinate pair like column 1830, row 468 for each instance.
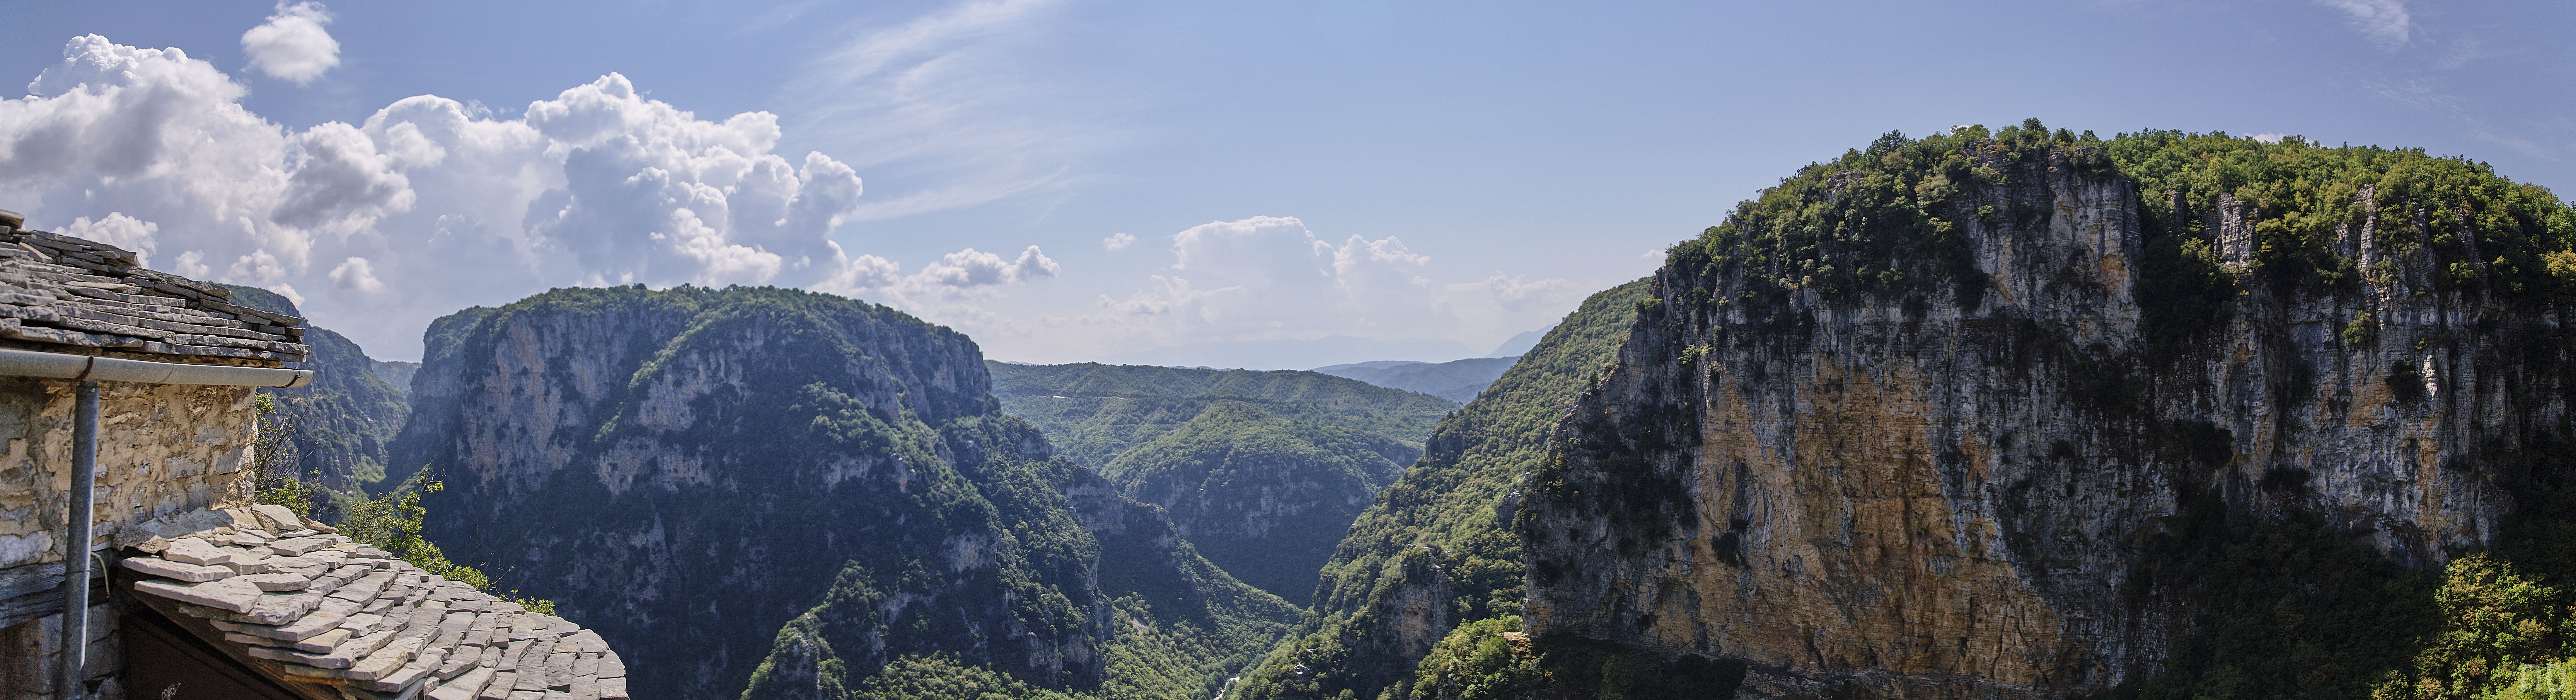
column 165, row 568
column 196, row 551
column 278, row 582
column 463, row 687
column 299, row 546
column 230, row 595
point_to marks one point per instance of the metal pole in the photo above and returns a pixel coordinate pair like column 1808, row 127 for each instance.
column 84, row 494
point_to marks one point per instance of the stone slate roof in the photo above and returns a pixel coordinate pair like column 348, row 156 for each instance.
column 60, row 290
column 296, row 601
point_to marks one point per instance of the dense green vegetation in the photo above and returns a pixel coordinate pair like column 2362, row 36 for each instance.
column 1178, row 624
column 2288, row 606
column 1455, row 380
column 1263, row 471
column 1889, row 222
column 821, row 491
column 1093, row 412
column 1263, row 496
column 1444, row 528
column 344, row 419
column 1491, row 659
column 2297, row 610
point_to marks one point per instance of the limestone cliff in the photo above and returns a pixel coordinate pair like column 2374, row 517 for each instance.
column 344, row 422
column 688, row 470
column 1917, row 422
column 707, row 460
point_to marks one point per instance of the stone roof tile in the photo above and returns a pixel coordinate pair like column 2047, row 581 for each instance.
column 318, row 609
column 62, row 290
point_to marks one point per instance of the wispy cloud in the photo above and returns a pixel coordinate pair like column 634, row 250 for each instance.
column 2419, row 93
column 2383, row 21
column 948, row 109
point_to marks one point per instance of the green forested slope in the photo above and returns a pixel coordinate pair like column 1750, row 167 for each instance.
column 1093, row 411
column 346, row 417
column 2284, row 604
column 2291, row 605
column 1455, row 380
column 1261, row 495
column 1436, row 549
column 1176, row 625
column 1261, row 471
column 783, row 494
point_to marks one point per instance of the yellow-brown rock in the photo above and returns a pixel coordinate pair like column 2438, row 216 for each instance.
column 1950, row 498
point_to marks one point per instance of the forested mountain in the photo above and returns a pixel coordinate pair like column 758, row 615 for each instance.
column 803, row 495
column 345, row 419
column 1262, row 471
column 2038, row 414
column 1094, row 411
column 1436, row 549
column 1455, row 380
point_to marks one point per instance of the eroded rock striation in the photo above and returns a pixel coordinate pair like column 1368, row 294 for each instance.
column 1942, row 466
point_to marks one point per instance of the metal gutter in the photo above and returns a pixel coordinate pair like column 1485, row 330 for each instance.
column 55, row 365
column 89, row 370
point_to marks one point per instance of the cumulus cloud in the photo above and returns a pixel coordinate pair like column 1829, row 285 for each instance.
column 152, row 150
column 1117, row 241
column 356, row 275
column 2384, row 21
column 956, row 289
column 1270, row 279
column 292, row 45
column 119, row 230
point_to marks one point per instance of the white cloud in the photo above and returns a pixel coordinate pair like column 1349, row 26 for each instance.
column 2384, row 21
column 2268, row 137
column 152, row 150
column 1520, row 293
column 356, row 275
column 119, row 230
column 1117, row 241
column 975, row 268
column 1270, row 282
column 948, row 101
column 292, row 45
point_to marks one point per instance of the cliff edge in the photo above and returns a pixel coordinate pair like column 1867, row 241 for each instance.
column 1927, row 420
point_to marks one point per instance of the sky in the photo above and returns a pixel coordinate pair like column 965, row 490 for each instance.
column 1254, row 184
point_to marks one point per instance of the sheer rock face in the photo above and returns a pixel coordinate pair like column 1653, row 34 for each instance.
column 710, row 461
column 1939, row 501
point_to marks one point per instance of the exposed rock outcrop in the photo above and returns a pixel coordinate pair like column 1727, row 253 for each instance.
column 731, row 462
column 345, row 420
column 708, row 460
column 1913, row 494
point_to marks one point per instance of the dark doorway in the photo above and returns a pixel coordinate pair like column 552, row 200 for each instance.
column 164, row 662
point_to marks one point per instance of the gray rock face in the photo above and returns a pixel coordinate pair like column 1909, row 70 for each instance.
column 708, row 461
column 1890, row 499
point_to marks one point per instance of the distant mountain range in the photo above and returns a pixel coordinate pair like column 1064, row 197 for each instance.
column 1263, row 471
column 1521, row 344
column 1286, row 354
column 1457, row 380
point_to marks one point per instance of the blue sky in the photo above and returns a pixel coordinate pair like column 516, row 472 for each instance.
column 1430, row 177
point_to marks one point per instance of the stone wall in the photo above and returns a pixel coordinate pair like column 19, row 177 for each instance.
column 163, row 450
column 166, row 454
